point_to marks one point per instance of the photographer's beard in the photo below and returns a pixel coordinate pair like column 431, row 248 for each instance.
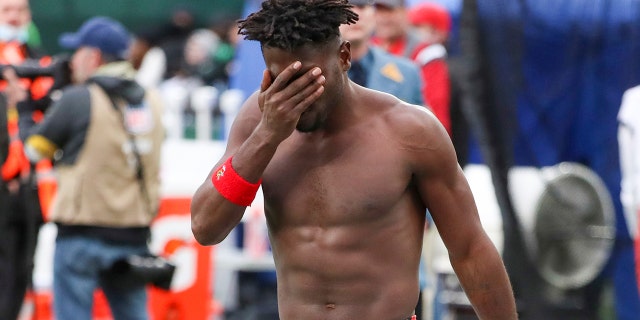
column 12, row 33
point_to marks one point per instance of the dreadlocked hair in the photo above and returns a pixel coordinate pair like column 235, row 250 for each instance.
column 290, row 24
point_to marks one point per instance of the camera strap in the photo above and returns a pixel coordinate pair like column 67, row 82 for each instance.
column 136, row 153
column 4, row 131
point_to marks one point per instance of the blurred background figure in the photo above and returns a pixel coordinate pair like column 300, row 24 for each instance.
column 629, row 144
column 191, row 77
column 393, row 31
column 431, row 21
column 171, row 37
column 224, row 55
column 373, row 67
column 107, row 134
column 200, row 54
column 199, row 51
column 20, row 208
column 148, row 59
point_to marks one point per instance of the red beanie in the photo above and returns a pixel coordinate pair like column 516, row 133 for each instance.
column 432, row 14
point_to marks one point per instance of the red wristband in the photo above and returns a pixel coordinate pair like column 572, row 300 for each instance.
column 234, row 187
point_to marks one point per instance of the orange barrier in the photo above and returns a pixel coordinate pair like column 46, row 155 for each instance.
column 101, row 309
column 191, row 298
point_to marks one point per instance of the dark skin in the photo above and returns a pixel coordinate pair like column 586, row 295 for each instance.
column 348, row 173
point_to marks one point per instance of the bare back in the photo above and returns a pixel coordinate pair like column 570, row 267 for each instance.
column 345, row 219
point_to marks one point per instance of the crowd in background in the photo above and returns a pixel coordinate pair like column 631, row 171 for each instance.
column 180, row 57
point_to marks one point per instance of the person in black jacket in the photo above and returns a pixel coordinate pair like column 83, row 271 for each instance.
column 20, row 211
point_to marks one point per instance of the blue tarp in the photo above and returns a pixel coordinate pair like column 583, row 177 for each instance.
column 563, row 65
column 576, row 59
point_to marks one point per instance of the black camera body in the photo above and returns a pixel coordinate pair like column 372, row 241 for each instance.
column 31, row 69
column 58, row 69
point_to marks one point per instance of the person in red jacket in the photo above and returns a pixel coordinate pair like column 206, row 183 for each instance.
column 432, row 22
column 396, row 34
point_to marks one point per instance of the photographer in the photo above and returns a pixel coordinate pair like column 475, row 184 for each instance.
column 20, row 202
column 110, row 132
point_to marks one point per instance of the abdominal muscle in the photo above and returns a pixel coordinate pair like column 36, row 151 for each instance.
column 346, row 226
column 346, row 272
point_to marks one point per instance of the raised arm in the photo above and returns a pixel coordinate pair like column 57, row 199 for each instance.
column 473, row 256
column 266, row 119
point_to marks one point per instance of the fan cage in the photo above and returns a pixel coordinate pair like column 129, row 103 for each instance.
column 574, row 226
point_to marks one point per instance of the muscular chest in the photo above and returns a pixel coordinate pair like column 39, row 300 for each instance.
column 338, row 182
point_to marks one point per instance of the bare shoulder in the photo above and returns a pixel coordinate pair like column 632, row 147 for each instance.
column 414, row 127
column 413, row 131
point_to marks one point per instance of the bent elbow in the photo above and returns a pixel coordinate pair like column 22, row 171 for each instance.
column 203, row 235
column 198, row 228
column 201, row 239
column 200, row 224
column 208, row 233
column 212, row 221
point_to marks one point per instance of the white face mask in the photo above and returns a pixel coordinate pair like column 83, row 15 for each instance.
column 11, row 33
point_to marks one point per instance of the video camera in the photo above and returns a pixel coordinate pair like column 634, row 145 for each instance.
column 31, row 69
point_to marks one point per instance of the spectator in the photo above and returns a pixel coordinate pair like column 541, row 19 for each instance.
column 20, row 208
column 170, row 37
column 374, row 68
column 109, row 130
column 199, row 54
column 431, row 21
column 224, row 55
column 148, row 58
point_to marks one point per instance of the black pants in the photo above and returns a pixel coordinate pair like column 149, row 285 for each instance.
column 20, row 221
column 419, row 306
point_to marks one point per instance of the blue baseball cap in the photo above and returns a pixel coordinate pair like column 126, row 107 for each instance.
column 104, row 33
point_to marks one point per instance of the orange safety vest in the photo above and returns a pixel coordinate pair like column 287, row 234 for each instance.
column 17, row 164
